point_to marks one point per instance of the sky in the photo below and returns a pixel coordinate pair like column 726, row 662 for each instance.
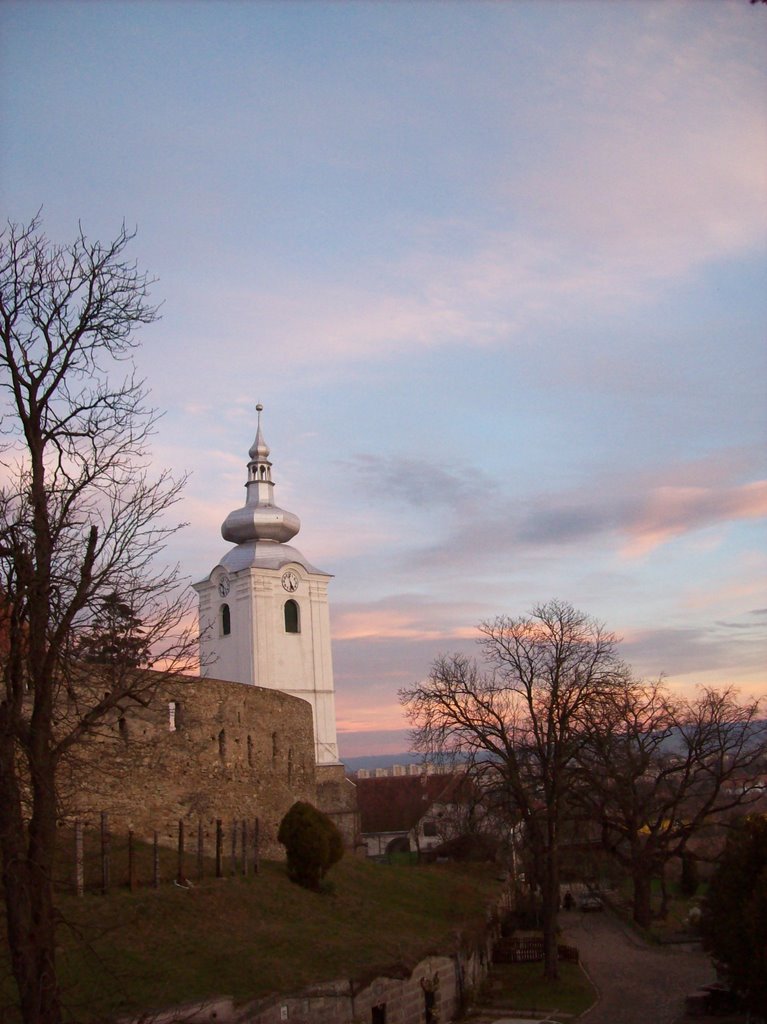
column 496, row 271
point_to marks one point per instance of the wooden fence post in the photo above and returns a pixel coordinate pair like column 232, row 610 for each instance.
column 131, row 862
column 219, row 847
column 180, row 876
column 200, row 865
column 79, row 867
column 105, row 851
column 256, row 829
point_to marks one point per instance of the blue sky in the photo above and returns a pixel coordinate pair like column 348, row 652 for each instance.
column 497, row 272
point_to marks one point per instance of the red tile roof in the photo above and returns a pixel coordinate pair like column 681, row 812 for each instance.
column 397, row 804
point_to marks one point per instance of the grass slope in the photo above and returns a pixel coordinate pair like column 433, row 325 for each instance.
column 523, row 988
column 249, row 937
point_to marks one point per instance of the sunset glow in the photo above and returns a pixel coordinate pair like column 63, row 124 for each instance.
column 496, row 271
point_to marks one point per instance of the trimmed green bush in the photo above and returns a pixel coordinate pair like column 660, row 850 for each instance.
column 312, row 842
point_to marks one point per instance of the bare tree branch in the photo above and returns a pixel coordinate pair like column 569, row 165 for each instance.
column 656, row 771
column 520, row 721
column 83, row 521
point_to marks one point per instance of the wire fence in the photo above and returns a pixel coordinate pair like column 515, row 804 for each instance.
column 98, row 860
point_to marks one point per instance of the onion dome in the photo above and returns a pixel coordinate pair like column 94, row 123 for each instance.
column 260, row 519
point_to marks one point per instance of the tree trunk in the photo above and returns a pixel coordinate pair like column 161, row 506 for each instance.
column 664, row 902
column 31, row 931
column 28, row 891
column 550, row 910
column 642, row 897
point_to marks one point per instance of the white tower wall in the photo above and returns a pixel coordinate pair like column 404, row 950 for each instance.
column 246, row 633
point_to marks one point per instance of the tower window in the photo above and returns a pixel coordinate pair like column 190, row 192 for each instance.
column 226, row 620
column 292, row 618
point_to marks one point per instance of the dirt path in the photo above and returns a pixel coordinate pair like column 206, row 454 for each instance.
column 637, row 983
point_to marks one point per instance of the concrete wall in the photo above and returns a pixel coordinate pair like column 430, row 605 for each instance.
column 443, row 983
column 201, row 749
column 404, row 999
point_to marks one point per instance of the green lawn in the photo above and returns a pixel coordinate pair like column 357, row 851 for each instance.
column 523, row 987
column 249, row 937
column 679, row 906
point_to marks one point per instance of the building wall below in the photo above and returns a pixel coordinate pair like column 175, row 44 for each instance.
column 337, row 797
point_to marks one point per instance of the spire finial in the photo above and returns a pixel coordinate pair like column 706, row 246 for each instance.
column 259, row 449
column 260, row 519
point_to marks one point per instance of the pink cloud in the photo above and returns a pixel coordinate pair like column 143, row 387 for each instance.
column 735, row 593
column 669, row 512
column 377, row 623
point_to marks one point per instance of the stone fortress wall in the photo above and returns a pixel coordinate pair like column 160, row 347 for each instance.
column 201, row 749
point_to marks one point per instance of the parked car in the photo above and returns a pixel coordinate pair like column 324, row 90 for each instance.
column 589, row 903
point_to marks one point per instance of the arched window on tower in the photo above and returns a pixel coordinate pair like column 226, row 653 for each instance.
column 226, row 620
column 292, row 617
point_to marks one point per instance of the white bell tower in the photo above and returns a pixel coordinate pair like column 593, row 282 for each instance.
column 263, row 610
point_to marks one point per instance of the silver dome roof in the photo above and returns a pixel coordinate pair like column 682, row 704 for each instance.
column 265, row 555
column 260, row 528
column 260, row 518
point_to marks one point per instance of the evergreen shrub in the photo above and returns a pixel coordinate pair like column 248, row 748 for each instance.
column 312, row 842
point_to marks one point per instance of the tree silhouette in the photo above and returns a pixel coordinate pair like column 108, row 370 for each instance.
column 519, row 722
column 82, row 520
column 655, row 770
column 734, row 921
column 115, row 636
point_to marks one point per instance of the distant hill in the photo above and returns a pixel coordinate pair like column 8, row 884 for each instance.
column 672, row 743
column 380, row 761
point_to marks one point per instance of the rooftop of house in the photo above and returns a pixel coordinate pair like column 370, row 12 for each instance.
column 397, row 804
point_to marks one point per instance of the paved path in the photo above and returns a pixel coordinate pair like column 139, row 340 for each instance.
column 637, row 983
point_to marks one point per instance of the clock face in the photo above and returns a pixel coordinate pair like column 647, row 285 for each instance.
column 290, row 581
column 223, row 586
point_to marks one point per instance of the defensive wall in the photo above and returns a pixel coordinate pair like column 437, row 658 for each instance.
column 198, row 750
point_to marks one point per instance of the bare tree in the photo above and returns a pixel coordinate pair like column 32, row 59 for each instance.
column 82, row 521
column 519, row 721
column 658, row 770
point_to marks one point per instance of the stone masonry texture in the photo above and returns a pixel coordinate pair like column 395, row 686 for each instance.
column 200, row 749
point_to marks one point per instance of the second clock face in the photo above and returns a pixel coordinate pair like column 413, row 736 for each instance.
column 290, row 581
column 223, row 586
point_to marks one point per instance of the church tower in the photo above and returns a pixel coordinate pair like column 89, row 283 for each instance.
column 263, row 610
